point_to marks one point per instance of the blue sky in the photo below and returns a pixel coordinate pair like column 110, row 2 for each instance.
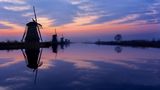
column 83, row 19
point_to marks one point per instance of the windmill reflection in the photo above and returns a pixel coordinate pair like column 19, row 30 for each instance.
column 32, row 57
column 55, row 48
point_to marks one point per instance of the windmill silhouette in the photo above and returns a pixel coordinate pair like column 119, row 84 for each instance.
column 31, row 35
column 32, row 32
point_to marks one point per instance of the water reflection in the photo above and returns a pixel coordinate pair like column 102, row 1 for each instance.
column 118, row 49
column 55, row 48
column 87, row 67
column 32, row 57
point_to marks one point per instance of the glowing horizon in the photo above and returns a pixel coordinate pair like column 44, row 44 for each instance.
column 84, row 19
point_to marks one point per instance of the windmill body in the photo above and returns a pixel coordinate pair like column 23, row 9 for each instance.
column 32, row 32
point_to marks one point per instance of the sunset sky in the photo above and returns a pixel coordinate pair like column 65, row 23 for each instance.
column 82, row 20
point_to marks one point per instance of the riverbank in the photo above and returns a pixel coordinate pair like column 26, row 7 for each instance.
column 131, row 43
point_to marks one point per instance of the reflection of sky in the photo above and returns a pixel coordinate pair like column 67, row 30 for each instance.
column 82, row 19
column 83, row 66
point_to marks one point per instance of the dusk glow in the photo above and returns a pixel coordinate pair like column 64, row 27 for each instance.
column 88, row 18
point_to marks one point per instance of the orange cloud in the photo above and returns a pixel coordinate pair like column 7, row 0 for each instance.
column 81, row 26
column 9, row 24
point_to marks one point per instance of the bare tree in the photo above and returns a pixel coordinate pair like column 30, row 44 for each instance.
column 118, row 38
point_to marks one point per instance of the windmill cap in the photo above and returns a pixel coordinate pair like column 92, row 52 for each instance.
column 32, row 23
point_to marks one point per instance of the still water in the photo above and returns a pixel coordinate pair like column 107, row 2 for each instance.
column 81, row 67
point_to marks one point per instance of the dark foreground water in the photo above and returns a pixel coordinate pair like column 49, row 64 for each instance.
column 81, row 67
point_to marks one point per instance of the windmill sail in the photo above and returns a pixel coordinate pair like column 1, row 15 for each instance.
column 35, row 15
column 32, row 32
column 24, row 35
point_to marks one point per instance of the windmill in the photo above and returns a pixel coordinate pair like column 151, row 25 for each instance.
column 31, row 35
column 32, row 32
column 54, row 38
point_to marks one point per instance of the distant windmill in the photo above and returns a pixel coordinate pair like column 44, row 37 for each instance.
column 54, row 38
column 32, row 32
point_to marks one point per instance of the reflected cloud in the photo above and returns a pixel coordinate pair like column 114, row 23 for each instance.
column 81, row 64
column 11, row 62
column 15, row 58
column 14, row 79
column 47, row 64
column 5, row 88
column 85, row 66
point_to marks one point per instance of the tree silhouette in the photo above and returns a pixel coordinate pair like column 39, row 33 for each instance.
column 118, row 38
